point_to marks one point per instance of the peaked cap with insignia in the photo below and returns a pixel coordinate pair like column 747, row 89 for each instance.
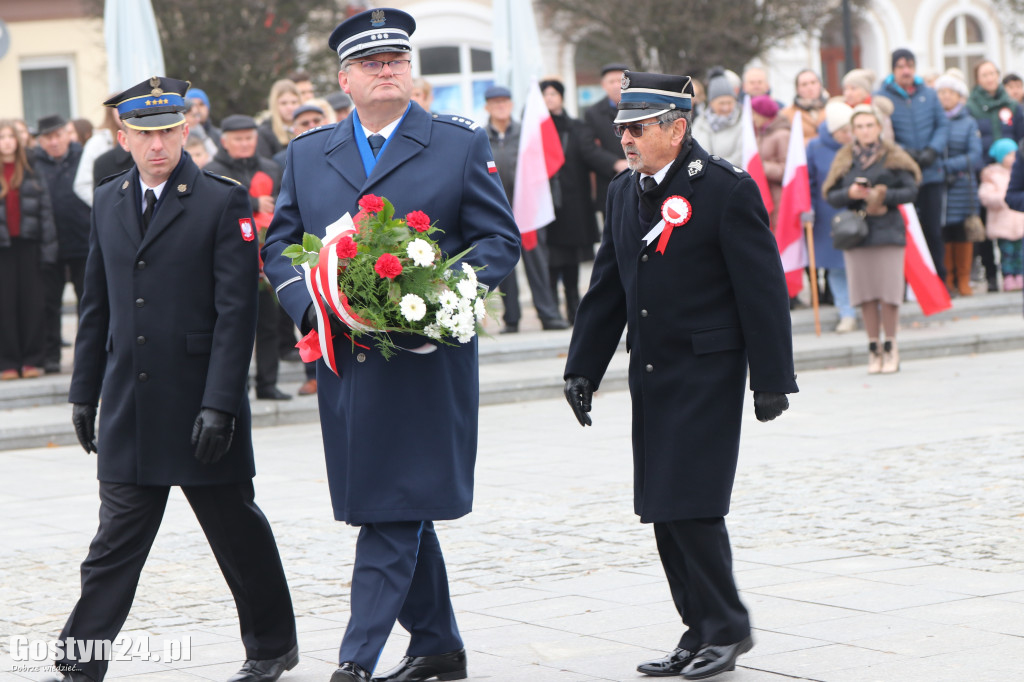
column 153, row 104
column 652, row 94
column 372, row 32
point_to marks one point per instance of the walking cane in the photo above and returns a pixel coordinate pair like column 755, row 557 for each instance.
column 809, row 228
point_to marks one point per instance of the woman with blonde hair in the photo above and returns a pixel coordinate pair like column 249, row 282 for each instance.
column 28, row 238
column 275, row 133
column 874, row 176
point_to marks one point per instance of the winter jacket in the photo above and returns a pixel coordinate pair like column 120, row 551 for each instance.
column 773, row 145
column 71, row 215
column 998, row 116
column 1001, row 222
column 810, row 118
column 918, row 121
column 506, row 155
column 727, row 142
column 820, row 153
column 894, row 169
column 961, row 164
column 36, row 217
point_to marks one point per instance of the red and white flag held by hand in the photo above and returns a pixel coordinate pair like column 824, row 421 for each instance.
column 540, row 156
column 919, row 268
column 752, row 157
column 795, row 200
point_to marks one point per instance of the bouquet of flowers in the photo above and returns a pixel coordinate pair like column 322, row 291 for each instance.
column 381, row 275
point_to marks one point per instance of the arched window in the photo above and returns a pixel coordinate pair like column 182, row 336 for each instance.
column 963, row 45
column 459, row 75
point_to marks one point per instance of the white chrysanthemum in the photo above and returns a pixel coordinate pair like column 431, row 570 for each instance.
column 433, row 330
column 448, row 299
column 467, row 288
column 445, row 319
column 421, row 252
column 470, row 272
column 464, row 328
column 479, row 309
column 413, row 308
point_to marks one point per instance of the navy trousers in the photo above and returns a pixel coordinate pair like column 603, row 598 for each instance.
column 399, row 575
column 698, row 564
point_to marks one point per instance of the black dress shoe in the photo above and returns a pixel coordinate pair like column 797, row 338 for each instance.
column 51, row 367
column 510, row 329
column 716, row 658
column 272, row 393
column 350, row 672
column 450, row 666
column 557, row 323
column 669, row 666
column 266, row 670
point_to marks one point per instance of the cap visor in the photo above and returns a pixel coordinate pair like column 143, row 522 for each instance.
column 631, row 115
column 379, row 49
column 155, row 121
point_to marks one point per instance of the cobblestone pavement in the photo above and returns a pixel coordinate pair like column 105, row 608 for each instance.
column 877, row 532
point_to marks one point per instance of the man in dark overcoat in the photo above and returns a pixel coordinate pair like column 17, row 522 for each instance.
column 163, row 346
column 400, row 435
column 688, row 265
column 600, row 117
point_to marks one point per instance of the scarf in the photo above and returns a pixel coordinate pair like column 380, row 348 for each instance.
column 867, row 155
column 810, row 104
column 717, row 122
column 983, row 105
column 955, row 111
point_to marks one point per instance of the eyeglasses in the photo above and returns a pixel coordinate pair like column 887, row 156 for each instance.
column 635, row 129
column 399, row 67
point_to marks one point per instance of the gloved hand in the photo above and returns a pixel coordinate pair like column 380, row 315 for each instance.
column 84, row 418
column 926, row 157
column 768, row 406
column 212, row 434
column 579, row 391
column 309, row 322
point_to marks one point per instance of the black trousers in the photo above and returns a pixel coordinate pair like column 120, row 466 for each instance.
column 535, row 263
column 570, row 276
column 267, row 340
column 21, row 305
column 697, row 559
column 929, row 212
column 242, row 543
column 55, row 277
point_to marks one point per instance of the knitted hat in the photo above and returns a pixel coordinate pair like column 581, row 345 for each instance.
column 860, row 78
column 865, row 109
column 1001, row 147
column 837, row 114
column 902, row 53
column 951, row 81
column 764, row 105
column 719, row 86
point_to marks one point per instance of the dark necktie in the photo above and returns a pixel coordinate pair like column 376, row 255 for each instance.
column 648, row 183
column 147, row 215
column 376, row 142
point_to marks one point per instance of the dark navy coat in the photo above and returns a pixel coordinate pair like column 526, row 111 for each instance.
column 820, row 152
column 167, row 327
column 400, row 436
column 696, row 315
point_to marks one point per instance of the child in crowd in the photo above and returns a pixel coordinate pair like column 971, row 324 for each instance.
column 1003, row 223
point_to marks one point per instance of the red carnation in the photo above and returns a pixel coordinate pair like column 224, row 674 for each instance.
column 346, row 248
column 418, row 220
column 371, row 203
column 360, row 219
column 388, row 266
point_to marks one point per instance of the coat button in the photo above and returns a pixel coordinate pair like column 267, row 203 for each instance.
column 139, row 302
column 141, row 265
column 643, row 258
column 140, row 340
column 649, row 368
column 361, row 357
column 643, row 313
column 143, row 376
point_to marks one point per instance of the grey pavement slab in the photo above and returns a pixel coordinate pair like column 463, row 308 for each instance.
column 876, row 534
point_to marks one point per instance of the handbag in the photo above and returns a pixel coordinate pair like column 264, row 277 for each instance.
column 849, row 229
column 974, row 229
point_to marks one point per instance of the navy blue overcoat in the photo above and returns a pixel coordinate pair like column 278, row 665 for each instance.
column 167, row 327
column 400, row 435
column 696, row 315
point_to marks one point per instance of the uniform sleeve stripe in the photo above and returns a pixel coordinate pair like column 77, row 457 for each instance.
column 293, row 280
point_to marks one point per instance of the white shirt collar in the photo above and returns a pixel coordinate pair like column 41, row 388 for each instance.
column 384, row 132
column 158, row 190
column 660, row 175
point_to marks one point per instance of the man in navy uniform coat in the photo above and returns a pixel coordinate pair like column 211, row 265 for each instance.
column 688, row 265
column 400, row 435
column 164, row 343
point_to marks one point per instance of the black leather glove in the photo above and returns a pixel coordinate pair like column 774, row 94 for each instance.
column 309, row 322
column 926, row 157
column 84, row 418
column 768, row 406
column 212, row 434
column 579, row 391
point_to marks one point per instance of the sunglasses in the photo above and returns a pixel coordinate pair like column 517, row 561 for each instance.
column 635, row 129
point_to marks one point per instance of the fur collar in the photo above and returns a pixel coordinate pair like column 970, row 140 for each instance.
column 895, row 159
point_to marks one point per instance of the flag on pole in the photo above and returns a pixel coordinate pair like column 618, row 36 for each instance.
column 540, row 156
column 795, row 200
column 752, row 157
column 919, row 268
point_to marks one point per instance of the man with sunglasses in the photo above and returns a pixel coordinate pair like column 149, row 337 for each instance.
column 689, row 267
column 400, row 434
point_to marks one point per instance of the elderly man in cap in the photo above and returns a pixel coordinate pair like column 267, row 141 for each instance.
column 163, row 344
column 394, row 483
column 600, row 116
column 689, row 267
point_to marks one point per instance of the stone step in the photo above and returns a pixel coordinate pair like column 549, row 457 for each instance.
column 533, row 378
